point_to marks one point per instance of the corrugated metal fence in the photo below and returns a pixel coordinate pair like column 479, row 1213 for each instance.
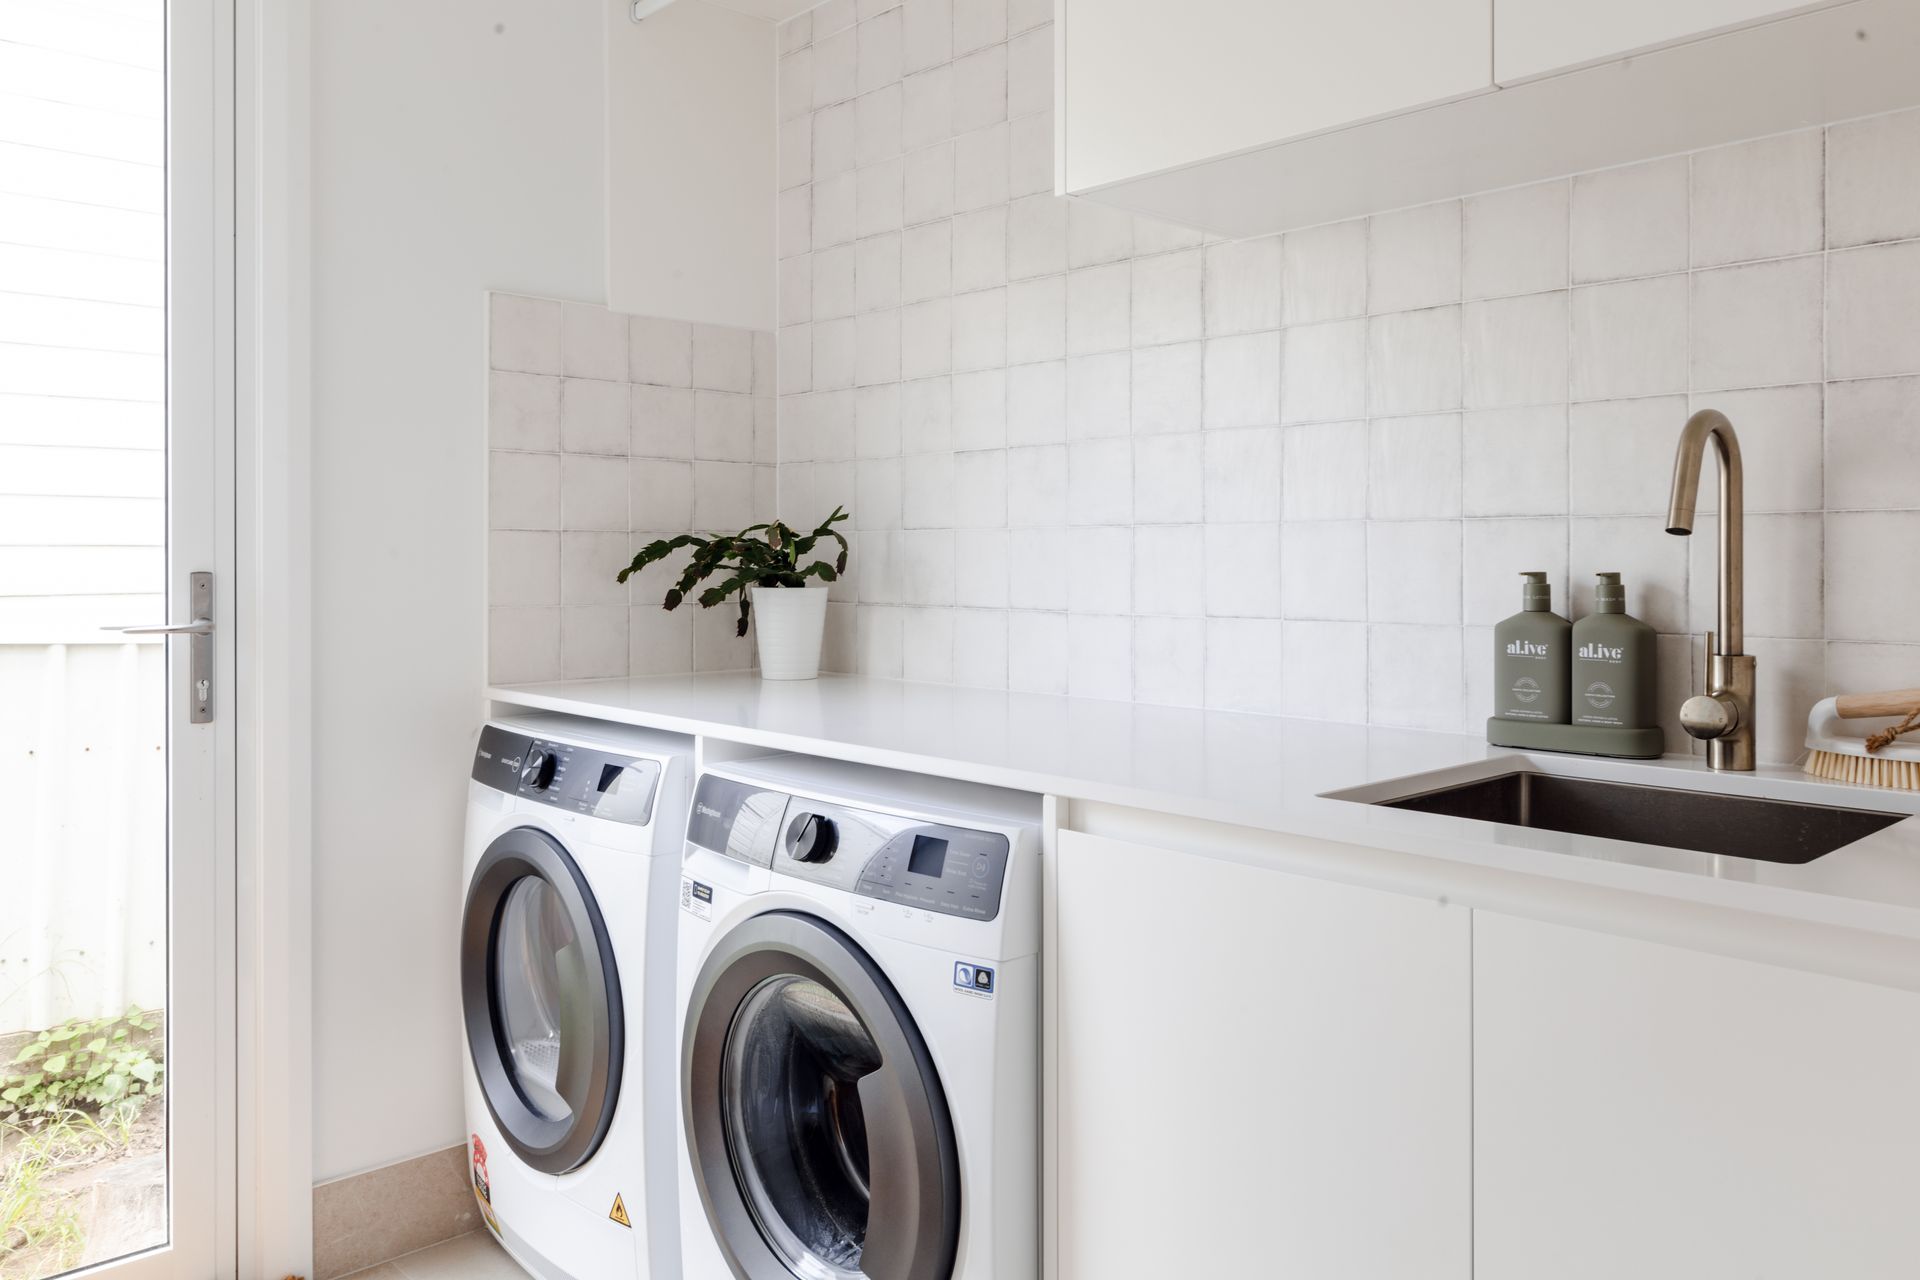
column 83, row 823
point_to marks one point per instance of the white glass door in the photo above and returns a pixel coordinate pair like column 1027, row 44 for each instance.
column 116, row 746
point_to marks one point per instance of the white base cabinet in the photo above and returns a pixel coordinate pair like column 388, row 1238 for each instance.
column 1646, row 1111
column 1259, row 1073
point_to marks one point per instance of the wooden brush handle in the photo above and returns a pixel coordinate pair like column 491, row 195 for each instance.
column 1862, row 706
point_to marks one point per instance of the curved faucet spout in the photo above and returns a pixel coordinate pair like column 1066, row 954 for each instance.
column 1710, row 425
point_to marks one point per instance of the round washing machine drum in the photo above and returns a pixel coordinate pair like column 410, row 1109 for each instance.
column 816, row 1124
column 542, row 999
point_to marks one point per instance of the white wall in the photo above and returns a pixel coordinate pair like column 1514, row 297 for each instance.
column 457, row 148
column 690, row 165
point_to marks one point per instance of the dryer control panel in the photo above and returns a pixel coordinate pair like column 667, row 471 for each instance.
column 932, row 866
column 615, row 788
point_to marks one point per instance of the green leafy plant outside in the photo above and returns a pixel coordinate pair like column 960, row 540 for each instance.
column 95, row 1063
column 31, row 1219
column 761, row 555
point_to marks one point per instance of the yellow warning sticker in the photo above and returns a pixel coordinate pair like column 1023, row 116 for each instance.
column 619, row 1213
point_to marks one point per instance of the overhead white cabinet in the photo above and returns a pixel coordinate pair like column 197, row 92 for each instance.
column 1151, row 85
column 1244, row 117
column 1259, row 1073
column 1532, row 37
column 1646, row 1111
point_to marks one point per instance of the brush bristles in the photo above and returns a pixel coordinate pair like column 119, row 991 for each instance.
column 1865, row 771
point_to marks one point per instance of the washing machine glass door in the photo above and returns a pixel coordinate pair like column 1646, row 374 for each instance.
column 820, row 1134
column 542, row 997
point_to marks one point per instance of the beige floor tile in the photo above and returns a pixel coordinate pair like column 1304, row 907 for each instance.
column 470, row 1257
column 385, row 1271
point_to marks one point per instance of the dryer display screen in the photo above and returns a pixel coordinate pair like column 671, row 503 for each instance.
column 929, row 857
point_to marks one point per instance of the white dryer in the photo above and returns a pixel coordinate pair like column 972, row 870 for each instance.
column 566, row 966
column 859, row 1026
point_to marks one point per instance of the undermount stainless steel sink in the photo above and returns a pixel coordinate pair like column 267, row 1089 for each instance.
column 1732, row 826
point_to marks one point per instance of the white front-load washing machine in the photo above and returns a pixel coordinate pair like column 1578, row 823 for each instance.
column 566, row 968
column 859, row 1026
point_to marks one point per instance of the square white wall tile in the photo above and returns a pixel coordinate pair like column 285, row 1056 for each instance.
column 1169, row 661
column 1515, row 241
column 1873, row 445
column 1244, row 664
column 1413, row 571
column 1413, row 258
column 1516, row 351
column 1873, row 311
column 1414, row 362
column 523, row 412
column 1324, row 676
column 1323, row 571
column 1514, row 461
column 1325, row 378
column 1873, row 180
column 1166, row 390
column 1242, row 570
column 1415, row 676
column 1630, row 221
column 1761, row 199
column 1630, row 339
column 1758, row 325
column 1324, row 472
column 523, row 334
column 1867, row 553
column 1620, row 455
column 1242, row 379
column 1413, row 468
column 1243, row 286
column 1325, row 270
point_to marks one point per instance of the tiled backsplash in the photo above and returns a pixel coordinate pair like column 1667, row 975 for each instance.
column 605, row 431
column 1092, row 454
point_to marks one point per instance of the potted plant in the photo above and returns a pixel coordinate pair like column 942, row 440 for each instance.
column 762, row 564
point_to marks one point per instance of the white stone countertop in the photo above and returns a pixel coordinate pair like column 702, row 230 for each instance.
column 1271, row 774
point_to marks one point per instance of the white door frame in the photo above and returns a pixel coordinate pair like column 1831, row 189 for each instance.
column 273, row 1098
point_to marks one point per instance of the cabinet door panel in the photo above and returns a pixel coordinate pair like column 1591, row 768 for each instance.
column 1532, row 37
column 1151, row 85
column 1646, row 1111
column 1259, row 1074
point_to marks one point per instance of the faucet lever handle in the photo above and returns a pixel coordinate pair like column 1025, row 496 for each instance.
column 1706, row 668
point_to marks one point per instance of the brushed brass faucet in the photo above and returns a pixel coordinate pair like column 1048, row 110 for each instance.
column 1723, row 715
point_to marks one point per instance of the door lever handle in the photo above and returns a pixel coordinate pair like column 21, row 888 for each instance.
column 198, row 627
column 200, row 660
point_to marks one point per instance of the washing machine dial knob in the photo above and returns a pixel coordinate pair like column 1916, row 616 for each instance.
column 538, row 769
column 811, row 838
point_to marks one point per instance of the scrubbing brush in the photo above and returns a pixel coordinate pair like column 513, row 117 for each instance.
column 1880, row 758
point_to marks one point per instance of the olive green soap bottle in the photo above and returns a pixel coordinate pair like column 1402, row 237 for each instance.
column 1614, row 661
column 1530, row 658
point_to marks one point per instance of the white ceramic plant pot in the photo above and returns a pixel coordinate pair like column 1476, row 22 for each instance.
column 789, row 624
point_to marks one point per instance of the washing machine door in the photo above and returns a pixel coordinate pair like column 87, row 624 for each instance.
column 542, row 999
column 816, row 1124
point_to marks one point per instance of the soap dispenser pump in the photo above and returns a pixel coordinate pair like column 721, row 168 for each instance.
column 1530, row 658
column 1614, row 662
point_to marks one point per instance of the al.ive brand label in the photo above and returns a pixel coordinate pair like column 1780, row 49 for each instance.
column 1594, row 651
column 1528, row 649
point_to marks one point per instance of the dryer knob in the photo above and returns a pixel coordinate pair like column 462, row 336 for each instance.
column 811, row 838
column 537, row 771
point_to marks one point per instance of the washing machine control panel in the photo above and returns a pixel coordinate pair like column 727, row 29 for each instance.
column 931, row 866
column 600, row 784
